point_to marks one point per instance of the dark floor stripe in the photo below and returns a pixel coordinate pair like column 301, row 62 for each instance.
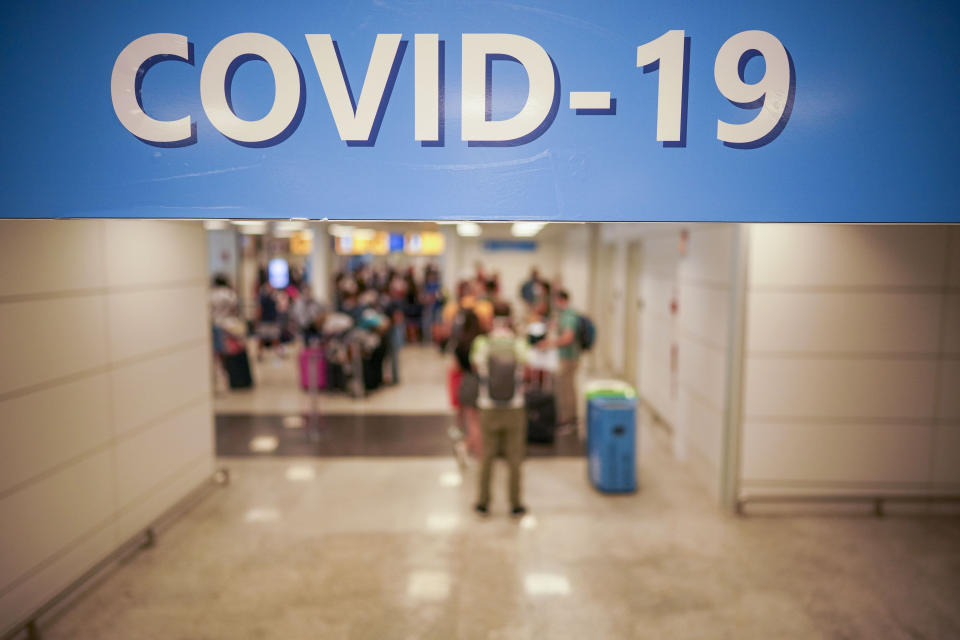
column 357, row 435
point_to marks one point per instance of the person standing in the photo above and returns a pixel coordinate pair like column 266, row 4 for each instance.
column 530, row 289
column 497, row 357
column 413, row 311
column 431, row 300
column 393, row 306
column 469, row 380
column 268, row 319
column 308, row 314
column 223, row 308
column 568, row 350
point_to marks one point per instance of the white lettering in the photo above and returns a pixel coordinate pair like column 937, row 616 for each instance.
column 477, row 47
column 354, row 125
column 213, row 89
column 426, row 84
column 125, row 88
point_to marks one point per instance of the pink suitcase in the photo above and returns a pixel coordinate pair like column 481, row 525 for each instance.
column 318, row 377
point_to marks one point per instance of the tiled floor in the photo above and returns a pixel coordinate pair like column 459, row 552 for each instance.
column 389, row 548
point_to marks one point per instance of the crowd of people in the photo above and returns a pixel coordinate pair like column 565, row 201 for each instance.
column 512, row 372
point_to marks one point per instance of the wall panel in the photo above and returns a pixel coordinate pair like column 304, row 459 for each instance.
column 105, row 416
column 849, row 385
column 811, row 256
column 44, row 340
column 844, row 322
column 67, row 255
column 51, row 426
column 837, row 454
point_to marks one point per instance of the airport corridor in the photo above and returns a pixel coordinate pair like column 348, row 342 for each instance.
column 796, row 451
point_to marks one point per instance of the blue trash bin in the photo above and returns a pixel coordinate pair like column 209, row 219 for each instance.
column 612, row 443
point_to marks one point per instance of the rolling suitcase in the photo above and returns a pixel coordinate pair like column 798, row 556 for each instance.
column 336, row 376
column 313, row 369
column 541, row 416
column 372, row 368
column 237, row 366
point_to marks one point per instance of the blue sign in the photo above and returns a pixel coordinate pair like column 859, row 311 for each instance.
column 549, row 110
column 510, row 245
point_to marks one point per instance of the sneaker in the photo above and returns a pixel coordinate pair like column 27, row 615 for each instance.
column 518, row 511
column 481, row 509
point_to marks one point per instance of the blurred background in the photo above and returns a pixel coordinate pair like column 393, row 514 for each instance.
column 269, row 409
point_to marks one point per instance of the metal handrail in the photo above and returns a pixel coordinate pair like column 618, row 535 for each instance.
column 878, row 500
column 142, row 540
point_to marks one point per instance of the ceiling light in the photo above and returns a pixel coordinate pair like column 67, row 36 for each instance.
column 214, row 225
column 292, row 225
column 251, row 227
column 341, row 230
column 468, row 229
column 526, row 228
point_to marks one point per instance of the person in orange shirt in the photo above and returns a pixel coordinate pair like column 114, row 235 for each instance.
column 468, row 298
column 483, row 304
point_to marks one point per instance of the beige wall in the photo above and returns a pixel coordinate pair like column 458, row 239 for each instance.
column 851, row 375
column 575, row 261
column 658, row 286
column 852, row 364
column 704, row 291
column 689, row 394
column 105, row 414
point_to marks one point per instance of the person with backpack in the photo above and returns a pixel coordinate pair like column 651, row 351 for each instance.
column 498, row 357
column 570, row 344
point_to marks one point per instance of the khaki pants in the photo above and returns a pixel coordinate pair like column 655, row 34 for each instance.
column 566, row 391
column 506, row 428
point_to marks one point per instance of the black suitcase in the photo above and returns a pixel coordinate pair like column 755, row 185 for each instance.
column 336, row 376
column 541, row 416
column 237, row 366
column 373, row 368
